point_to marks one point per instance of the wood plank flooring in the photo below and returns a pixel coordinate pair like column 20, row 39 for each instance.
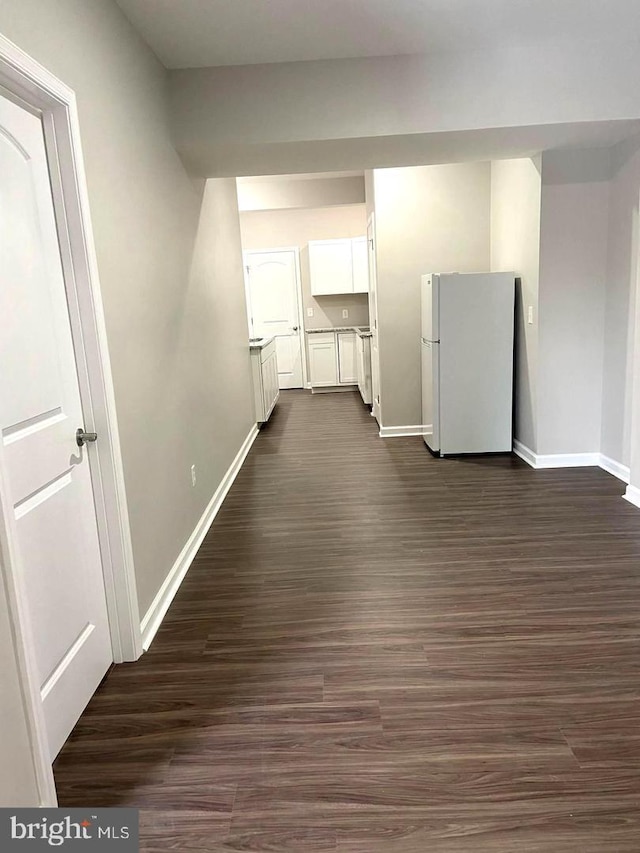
column 380, row 652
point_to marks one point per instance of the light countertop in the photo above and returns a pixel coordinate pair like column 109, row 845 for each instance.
column 356, row 329
column 259, row 343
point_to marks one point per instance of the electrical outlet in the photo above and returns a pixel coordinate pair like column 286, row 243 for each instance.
column 345, row 313
column 309, row 312
column 193, row 475
column 530, row 315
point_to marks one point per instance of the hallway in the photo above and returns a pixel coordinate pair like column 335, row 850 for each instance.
column 380, row 652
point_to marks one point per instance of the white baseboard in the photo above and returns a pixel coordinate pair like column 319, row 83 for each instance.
column 632, row 495
column 332, row 389
column 160, row 604
column 398, row 431
column 567, row 460
column 524, row 452
column 572, row 460
column 622, row 472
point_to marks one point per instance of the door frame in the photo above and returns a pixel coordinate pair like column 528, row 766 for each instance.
column 376, row 407
column 301, row 326
column 33, row 87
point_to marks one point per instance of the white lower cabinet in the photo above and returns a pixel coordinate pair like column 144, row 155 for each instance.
column 332, row 359
column 363, row 346
column 322, row 360
column 264, row 369
column 347, row 360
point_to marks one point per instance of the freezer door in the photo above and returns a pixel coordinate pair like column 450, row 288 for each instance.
column 430, row 416
column 429, row 296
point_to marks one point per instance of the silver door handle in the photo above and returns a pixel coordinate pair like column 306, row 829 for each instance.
column 82, row 437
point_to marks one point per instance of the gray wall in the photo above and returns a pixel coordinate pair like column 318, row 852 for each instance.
column 169, row 261
column 273, row 228
column 622, row 275
column 363, row 113
column 428, row 219
column 515, row 246
column 573, row 269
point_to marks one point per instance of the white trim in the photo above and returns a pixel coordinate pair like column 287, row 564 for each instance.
column 160, row 604
column 632, row 495
column 398, row 431
column 524, row 452
column 555, row 460
column 571, row 460
column 622, row 472
column 38, row 90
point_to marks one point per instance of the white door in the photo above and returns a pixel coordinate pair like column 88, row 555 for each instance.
column 373, row 319
column 47, row 474
column 272, row 291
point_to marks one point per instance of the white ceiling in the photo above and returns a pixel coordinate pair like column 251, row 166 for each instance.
column 198, row 33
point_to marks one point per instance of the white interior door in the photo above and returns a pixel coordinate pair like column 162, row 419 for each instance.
column 273, row 308
column 47, row 474
column 373, row 320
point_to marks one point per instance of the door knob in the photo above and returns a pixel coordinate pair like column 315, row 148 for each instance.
column 295, row 328
column 82, row 437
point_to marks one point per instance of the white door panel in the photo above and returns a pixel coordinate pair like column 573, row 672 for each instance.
column 323, row 363
column 47, row 474
column 273, row 309
column 285, row 346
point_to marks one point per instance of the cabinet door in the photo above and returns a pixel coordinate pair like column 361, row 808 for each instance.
column 360, row 263
column 270, row 381
column 360, row 362
column 322, row 363
column 347, row 363
column 330, row 267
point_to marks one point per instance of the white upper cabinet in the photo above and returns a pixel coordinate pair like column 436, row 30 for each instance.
column 338, row 266
column 360, row 264
column 330, row 267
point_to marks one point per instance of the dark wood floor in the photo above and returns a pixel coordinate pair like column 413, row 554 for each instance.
column 380, row 652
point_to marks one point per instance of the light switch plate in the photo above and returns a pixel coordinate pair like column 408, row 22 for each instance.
column 309, row 312
column 530, row 315
column 345, row 313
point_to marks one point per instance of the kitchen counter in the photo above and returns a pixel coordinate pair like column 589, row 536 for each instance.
column 326, row 329
column 363, row 331
column 259, row 343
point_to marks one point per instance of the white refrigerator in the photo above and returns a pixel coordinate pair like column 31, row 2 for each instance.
column 467, row 362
